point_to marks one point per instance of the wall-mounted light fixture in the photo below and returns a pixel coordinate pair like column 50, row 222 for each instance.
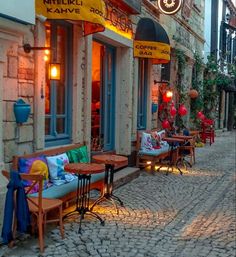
column 54, row 71
column 28, row 48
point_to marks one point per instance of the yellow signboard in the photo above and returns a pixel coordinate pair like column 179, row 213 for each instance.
column 150, row 49
column 92, row 11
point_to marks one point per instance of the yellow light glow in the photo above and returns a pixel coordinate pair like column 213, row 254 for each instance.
column 122, row 33
column 54, row 71
column 149, row 162
column 169, row 94
column 45, row 58
column 47, row 52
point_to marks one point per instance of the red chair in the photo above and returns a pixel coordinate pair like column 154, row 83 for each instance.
column 208, row 132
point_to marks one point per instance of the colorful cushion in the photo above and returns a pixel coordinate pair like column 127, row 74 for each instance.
column 37, row 165
column 146, row 142
column 78, row 155
column 56, row 165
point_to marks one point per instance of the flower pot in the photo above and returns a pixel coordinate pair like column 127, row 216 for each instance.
column 21, row 111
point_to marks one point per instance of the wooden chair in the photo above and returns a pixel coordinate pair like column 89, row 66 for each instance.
column 188, row 151
column 208, row 131
column 39, row 207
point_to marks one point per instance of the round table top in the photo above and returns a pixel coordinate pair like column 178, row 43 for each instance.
column 109, row 158
column 84, row 168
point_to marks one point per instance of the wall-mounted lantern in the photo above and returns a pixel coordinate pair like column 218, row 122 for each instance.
column 54, row 71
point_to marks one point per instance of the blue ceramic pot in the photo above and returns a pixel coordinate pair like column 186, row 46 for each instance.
column 154, row 107
column 21, row 111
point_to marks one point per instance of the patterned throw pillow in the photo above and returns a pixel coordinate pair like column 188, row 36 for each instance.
column 56, row 165
column 146, row 142
column 37, row 165
column 78, row 155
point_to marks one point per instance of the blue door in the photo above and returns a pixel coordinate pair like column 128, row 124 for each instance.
column 108, row 101
column 103, row 97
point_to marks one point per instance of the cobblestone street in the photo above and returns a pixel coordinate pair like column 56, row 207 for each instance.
column 164, row 216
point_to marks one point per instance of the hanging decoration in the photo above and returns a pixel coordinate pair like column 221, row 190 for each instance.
column 193, row 93
column 173, row 110
column 182, row 110
column 165, row 124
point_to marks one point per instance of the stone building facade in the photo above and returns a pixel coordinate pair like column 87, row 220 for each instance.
column 23, row 75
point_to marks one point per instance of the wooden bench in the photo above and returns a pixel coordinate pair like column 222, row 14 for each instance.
column 66, row 191
column 145, row 159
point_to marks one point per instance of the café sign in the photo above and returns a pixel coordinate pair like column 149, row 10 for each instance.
column 169, row 7
column 150, row 49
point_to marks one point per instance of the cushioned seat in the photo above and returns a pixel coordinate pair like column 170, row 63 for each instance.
column 155, row 152
column 64, row 189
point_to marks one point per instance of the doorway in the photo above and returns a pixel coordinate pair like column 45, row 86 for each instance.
column 103, row 97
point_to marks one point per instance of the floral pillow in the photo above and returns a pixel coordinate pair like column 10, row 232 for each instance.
column 36, row 165
column 56, row 165
column 146, row 142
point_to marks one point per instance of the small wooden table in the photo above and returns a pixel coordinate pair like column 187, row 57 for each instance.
column 110, row 160
column 84, row 172
column 172, row 141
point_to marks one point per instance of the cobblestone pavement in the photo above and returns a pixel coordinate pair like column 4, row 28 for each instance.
column 164, row 216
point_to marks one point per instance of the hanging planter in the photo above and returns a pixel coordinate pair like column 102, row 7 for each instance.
column 21, row 111
column 154, row 107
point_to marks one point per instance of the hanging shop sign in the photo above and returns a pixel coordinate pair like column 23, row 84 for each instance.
column 155, row 50
column 92, row 12
column 151, row 41
column 169, row 7
column 118, row 20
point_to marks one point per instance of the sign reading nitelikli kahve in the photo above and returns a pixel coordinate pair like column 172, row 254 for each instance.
column 85, row 10
column 169, row 7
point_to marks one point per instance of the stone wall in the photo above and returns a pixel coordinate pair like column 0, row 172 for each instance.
column 16, row 81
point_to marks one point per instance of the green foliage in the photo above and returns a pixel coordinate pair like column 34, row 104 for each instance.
column 197, row 104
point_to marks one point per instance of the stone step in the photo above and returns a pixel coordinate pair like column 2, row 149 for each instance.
column 125, row 175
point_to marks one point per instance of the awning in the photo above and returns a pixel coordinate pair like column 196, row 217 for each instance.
column 151, row 41
column 92, row 12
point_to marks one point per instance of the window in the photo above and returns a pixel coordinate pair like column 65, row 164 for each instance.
column 58, row 92
column 142, row 94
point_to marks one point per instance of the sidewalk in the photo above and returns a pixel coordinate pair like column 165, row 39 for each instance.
column 164, row 216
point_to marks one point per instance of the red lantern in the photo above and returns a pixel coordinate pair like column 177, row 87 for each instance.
column 167, row 96
column 202, row 118
column 165, row 124
column 161, row 107
column 182, row 110
column 173, row 111
column 199, row 115
column 193, row 93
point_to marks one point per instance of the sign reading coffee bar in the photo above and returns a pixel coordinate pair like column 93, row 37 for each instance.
column 147, row 49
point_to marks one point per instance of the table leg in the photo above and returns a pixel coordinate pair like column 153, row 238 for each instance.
column 108, row 189
column 82, row 200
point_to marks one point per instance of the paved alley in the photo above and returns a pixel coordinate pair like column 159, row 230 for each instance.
column 164, row 216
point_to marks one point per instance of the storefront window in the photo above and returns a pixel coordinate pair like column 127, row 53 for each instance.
column 58, row 92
